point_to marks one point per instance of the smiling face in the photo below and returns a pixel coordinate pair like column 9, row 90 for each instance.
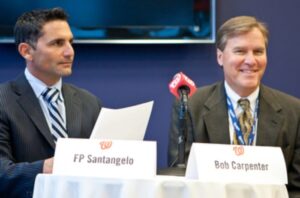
column 244, row 61
column 52, row 56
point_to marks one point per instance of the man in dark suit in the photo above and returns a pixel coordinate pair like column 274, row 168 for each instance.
column 27, row 131
column 273, row 118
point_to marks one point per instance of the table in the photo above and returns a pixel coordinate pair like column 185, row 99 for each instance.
column 59, row 186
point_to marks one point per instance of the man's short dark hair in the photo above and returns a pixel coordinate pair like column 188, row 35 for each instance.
column 28, row 27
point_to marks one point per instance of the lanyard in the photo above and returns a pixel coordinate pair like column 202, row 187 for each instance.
column 236, row 124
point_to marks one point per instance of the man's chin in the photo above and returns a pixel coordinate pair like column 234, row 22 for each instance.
column 250, row 87
column 66, row 73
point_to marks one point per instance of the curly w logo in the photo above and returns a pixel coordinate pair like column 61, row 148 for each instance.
column 105, row 145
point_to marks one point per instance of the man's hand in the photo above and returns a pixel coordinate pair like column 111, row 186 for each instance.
column 48, row 165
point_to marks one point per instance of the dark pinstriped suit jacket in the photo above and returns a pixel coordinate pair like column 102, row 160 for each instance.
column 25, row 138
column 278, row 125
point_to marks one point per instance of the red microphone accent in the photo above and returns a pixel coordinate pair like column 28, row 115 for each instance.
column 181, row 81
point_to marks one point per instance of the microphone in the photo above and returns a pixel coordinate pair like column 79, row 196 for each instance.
column 182, row 86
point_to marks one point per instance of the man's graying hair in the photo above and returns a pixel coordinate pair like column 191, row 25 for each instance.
column 28, row 27
column 238, row 26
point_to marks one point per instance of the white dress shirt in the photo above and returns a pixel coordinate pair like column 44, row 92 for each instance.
column 38, row 88
column 234, row 97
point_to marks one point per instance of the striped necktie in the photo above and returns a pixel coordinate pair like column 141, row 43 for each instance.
column 245, row 118
column 53, row 99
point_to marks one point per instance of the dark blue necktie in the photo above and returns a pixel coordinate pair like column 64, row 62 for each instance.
column 52, row 97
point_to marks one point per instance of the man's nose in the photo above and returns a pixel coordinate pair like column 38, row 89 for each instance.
column 250, row 58
column 69, row 51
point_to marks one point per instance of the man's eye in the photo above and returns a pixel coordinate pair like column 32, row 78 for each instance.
column 259, row 52
column 58, row 43
column 239, row 51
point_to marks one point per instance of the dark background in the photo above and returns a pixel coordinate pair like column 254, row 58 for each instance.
column 124, row 75
column 91, row 13
column 118, row 19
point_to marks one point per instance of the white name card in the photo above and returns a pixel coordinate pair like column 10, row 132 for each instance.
column 105, row 158
column 236, row 164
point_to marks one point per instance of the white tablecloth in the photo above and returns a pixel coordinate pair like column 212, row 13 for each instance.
column 54, row 186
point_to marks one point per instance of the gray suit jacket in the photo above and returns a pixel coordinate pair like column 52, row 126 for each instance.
column 25, row 138
column 278, row 125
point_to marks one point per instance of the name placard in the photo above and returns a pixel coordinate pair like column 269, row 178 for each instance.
column 236, row 164
column 105, row 158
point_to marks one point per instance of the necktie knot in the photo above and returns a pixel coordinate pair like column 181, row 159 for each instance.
column 51, row 95
column 244, row 103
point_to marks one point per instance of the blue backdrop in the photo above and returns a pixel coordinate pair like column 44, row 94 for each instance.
column 123, row 75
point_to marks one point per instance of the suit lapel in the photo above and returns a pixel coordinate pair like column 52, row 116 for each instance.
column 73, row 111
column 216, row 118
column 30, row 104
column 269, row 119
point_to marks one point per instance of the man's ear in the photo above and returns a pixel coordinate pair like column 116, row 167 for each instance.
column 220, row 57
column 25, row 51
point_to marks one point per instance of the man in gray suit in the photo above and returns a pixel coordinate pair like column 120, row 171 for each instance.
column 214, row 110
column 27, row 130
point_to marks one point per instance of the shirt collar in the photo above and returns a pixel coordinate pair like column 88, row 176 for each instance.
column 234, row 97
column 38, row 86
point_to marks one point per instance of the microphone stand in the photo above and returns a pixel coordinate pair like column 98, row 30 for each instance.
column 182, row 128
column 179, row 170
column 178, row 166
